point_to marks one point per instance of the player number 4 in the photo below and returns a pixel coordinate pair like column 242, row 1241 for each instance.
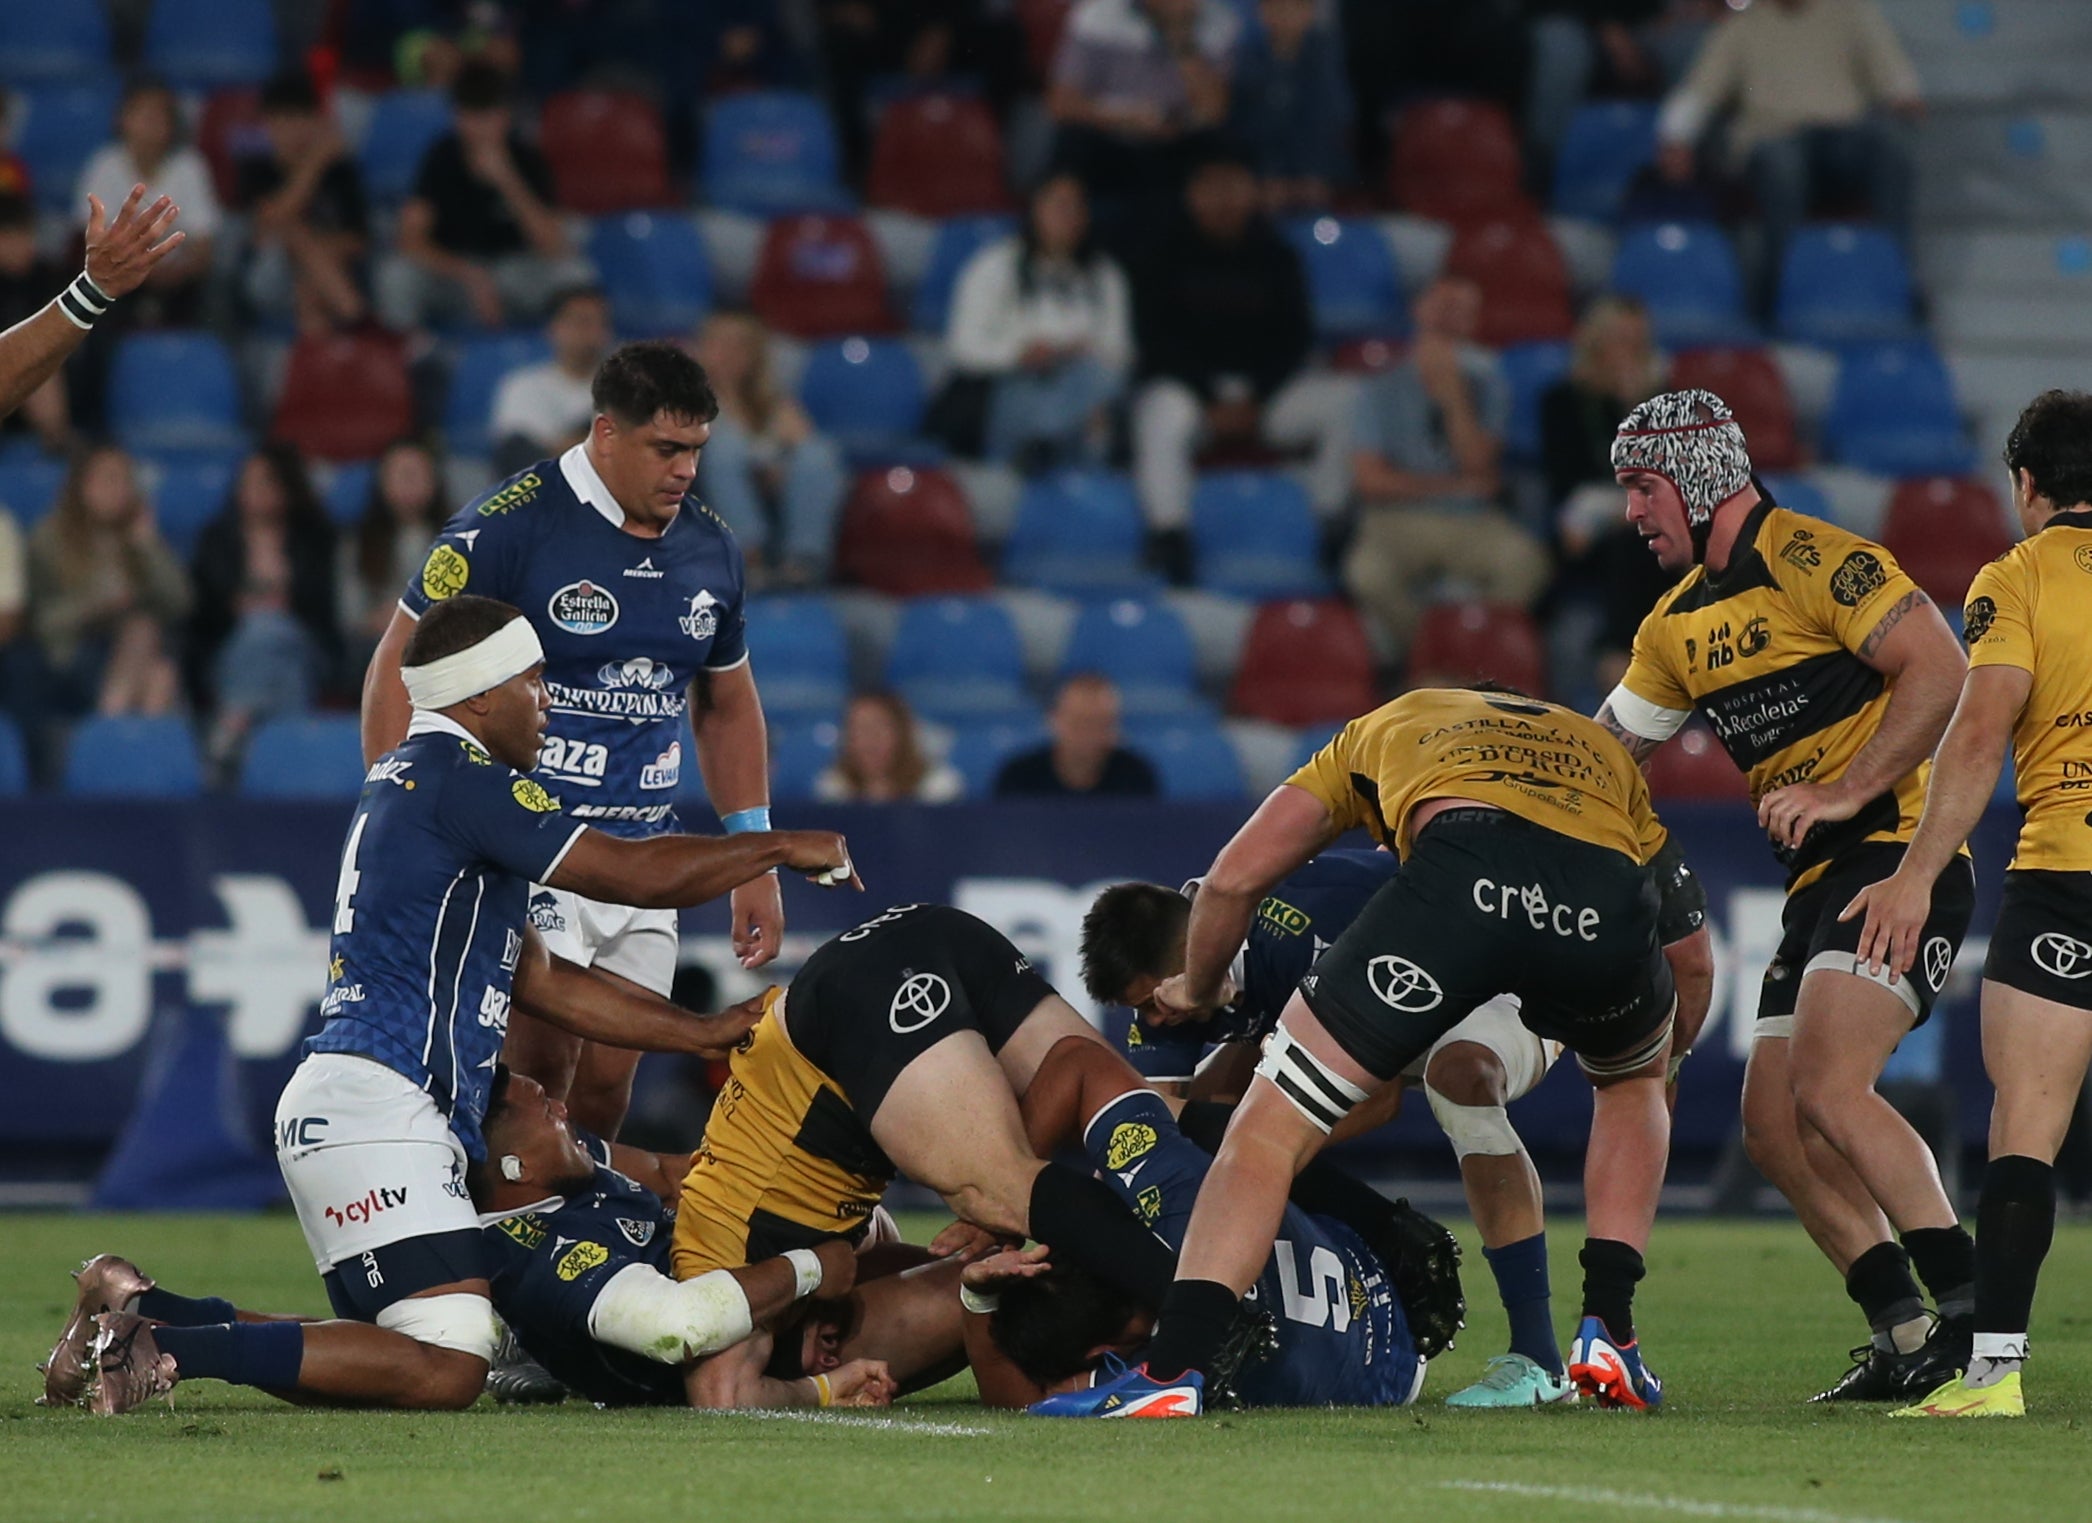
column 345, row 885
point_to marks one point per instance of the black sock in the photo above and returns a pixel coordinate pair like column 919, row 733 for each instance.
column 2015, row 1222
column 1204, row 1123
column 1195, row 1319
column 1880, row 1282
column 1945, row 1259
column 1085, row 1224
column 1611, row 1271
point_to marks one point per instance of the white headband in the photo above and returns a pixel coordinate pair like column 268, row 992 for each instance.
column 508, row 652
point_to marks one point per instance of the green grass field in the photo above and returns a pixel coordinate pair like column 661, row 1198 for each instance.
column 1743, row 1321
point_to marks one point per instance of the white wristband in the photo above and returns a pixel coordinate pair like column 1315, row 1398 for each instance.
column 978, row 1304
column 806, row 1266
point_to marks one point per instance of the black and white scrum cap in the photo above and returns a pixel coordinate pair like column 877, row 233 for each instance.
column 1690, row 438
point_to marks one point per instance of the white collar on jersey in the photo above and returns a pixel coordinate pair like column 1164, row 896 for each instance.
column 581, row 475
column 429, row 722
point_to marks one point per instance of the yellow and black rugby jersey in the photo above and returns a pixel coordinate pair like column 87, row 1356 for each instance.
column 1540, row 762
column 1767, row 651
column 2032, row 608
column 784, row 1155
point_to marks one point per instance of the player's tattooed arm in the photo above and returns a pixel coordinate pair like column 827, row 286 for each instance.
column 1640, row 747
column 1905, row 605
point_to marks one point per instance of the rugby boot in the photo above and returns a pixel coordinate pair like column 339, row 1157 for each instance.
column 106, row 1283
column 1116, row 1391
column 129, row 1369
column 1610, row 1373
column 1423, row 1259
column 1881, row 1374
column 516, row 1380
column 1958, row 1399
column 1944, row 1354
column 1514, row 1381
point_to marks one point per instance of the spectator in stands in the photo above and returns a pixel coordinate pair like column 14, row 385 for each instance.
column 310, row 224
column 545, row 409
column 1223, row 325
column 148, row 150
column 14, row 174
column 1084, row 759
column 1293, row 103
column 107, row 595
column 1623, row 47
column 881, row 761
column 264, row 636
column 777, row 482
column 1428, row 450
column 1042, row 325
column 392, row 538
column 1809, row 81
column 912, row 44
column 27, row 284
column 479, row 237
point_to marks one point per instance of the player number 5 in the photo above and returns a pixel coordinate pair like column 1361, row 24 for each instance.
column 1320, row 1299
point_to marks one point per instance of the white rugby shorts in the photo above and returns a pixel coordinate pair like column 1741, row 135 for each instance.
column 1494, row 1024
column 637, row 944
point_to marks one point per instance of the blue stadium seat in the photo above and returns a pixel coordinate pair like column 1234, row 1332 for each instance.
column 805, row 656
column 798, row 755
column 1686, row 274
column 1791, row 490
column 981, row 746
column 771, row 153
column 652, row 265
column 57, row 129
column 1078, row 532
column 133, row 757
column 1605, row 147
column 28, row 488
column 189, row 491
column 53, row 41
column 317, row 756
column 958, row 240
column 175, row 392
column 402, row 125
column 1842, row 284
column 1893, row 412
column 1351, row 277
column 345, row 489
column 1194, row 761
column 476, row 373
column 14, row 760
column 1144, row 649
column 1254, row 534
column 1528, row 370
column 867, row 394
column 206, row 44
column 956, row 658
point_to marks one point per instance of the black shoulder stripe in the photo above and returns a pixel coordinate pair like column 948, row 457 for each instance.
column 1761, row 716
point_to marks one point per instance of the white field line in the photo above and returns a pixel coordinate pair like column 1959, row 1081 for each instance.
column 1684, row 1507
column 849, row 1420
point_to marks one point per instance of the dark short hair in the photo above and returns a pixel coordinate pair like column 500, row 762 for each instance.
column 146, row 84
column 640, row 381
column 456, row 624
column 1046, row 1325
column 479, row 1179
column 480, row 86
column 2052, row 443
column 1132, row 930
column 567, row 295
column 290, row 91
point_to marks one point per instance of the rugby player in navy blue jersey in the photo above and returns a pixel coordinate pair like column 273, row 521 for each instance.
column 635, row 590
column 376, row 1128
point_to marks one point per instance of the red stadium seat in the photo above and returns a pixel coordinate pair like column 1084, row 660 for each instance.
column 229, row 130
column 608, row 152
column 820, row 277
column 1524, row 281
column 1693, row 765
column 1460, row 643
column 938, row 156
column 909, row 533
column 1458, row 161
column 1942, row 529
column 1749, row 381
column 1305, row 662
column 345, row 396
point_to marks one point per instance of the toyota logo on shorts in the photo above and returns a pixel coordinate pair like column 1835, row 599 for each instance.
column 1401, row 985
column 1939, row 956
column 921, row 998
column 2064, row 956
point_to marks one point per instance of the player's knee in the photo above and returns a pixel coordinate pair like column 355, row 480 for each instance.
column 1465, row 1074
column 449, row 1381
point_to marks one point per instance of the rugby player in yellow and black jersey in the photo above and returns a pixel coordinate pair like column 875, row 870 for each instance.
column 1828, row 676
column 2030, row 678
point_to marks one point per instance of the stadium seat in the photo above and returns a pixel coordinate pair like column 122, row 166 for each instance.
column 1694, row 766
column 866, row 394
column 958, row 240
column 1305, row 662
column 1194, row 761
column 1606, row 146
column 345, row 396
column 1461, row 643
column 653, row 268
column 202, row 44
column 772, row 153
column 1893, row 412
column 1079, row 533
column 29, row 488
column 980, row 747
column 956, row 658
column 1253, row 534
column 1686, row 274
column 1144, row 648
column 1528, row 370
column 188, row 492
column 403, row 123
column 820, row 277
column 1942, row 530
column 1043, row 22
column 1458, row 161
column 229, row 130
column 1524, row 279
column 477, row 368
column 607, row 151
column 316, row 756
column 938, row 156
column 1751, row 383
column 14, row 760
column 799, row 754
column 345, row 489
column 1842, row 284
column 53, row 42
column 173, row 391
column 1799, row 492
column 909, row 532
column 57, row 129
column 1351, row 277
column 805, row 655
column 133, row 757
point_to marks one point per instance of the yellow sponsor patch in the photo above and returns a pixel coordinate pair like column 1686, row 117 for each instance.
column 580, row 1259
column 533, row 797
column 445, row 573
column 514, row 495
column 526, row 1230
column 1129, row 1140
column 1150, row 1203
column 1282, row 917
column 1357, row 1293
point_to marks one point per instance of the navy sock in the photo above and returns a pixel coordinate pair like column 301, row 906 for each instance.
column 264, row 1354
column 180, row 1311
column 1521, row 1280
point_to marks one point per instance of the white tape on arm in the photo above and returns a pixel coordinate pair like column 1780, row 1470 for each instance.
column 1638, row 716
column 644, row 1312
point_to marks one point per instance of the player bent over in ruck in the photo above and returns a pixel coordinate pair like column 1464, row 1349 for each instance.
column 378, row 1125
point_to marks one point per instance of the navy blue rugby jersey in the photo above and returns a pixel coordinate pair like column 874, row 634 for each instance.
column 626, row 623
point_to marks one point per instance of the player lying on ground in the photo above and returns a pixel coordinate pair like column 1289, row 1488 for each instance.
column 1133, row 941
column 380, row 1121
